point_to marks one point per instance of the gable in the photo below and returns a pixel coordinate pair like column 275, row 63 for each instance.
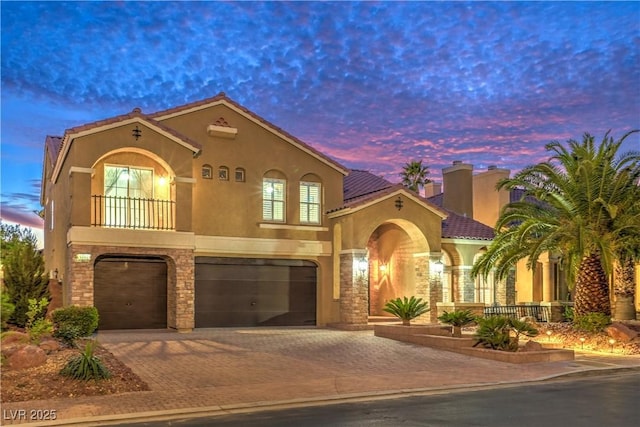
column 135, row 118
column 207, row 118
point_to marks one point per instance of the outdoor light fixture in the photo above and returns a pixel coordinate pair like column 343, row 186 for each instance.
column 362, row 265
column 438, row 267
column 548, row 335
column 55, row 274
column 383, row 268
column 582, row 339
column 612, row 342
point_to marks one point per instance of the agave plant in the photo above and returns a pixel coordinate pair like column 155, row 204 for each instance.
column 86, row 365
column 407, row 309
column 457, row 319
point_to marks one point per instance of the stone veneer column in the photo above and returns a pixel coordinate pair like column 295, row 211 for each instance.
column 354, row 298
column 435, row 286
column 79, row 279
column 465, row 286
column 423, row 283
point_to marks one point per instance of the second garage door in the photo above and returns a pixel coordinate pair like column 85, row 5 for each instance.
column 254, row 292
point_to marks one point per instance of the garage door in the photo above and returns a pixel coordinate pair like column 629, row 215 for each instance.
column 131, row 293
column 247, row 292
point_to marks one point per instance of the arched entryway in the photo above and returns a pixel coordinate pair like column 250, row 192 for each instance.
column 131, row 292
column 398, row 264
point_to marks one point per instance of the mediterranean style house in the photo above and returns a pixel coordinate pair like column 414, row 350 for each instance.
column 207, row 215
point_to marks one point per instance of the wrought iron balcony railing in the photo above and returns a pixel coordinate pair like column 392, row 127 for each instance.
column 134, row 213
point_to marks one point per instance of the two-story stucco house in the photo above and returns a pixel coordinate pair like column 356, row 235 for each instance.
column 207, row 215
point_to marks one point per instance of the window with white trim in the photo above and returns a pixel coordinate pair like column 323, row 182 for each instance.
column 273, row 199
column 310, row 196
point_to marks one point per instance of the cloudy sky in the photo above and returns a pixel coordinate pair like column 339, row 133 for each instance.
column 373, row 85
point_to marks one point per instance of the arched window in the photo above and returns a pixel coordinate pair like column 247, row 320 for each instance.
column 310, row 200
column 223, row 173
column 207, row 172
column 240, row 175
column 274, row 187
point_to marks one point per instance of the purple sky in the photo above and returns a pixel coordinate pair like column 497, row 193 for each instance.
column 373, row 85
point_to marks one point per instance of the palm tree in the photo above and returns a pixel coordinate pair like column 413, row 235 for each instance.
column 414, row 175
column 628, row 254
column 572, row 204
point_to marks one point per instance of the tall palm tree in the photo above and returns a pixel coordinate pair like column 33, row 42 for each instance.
column 572, row 204
column 628, row 254
column 414, row 175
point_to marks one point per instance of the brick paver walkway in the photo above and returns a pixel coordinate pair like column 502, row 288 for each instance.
column 214, row 369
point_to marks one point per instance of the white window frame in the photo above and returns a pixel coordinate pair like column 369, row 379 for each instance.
column 307, row 207
column 274, row 200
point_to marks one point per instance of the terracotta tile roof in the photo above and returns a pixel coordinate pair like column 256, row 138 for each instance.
column 223, row 97
column 53, row 145
column 135, row 113
column 361, row 187
column 359, row 183
column 461, row 227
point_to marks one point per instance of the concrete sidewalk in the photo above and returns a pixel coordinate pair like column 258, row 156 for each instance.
column 231, row 370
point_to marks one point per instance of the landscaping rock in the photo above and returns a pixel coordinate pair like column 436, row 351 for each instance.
column 12, row 337
column 27, row 357
column 532, row 346
column 50, row 345
column 620, row 332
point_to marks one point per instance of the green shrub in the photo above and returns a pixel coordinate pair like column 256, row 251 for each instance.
column 6, row 309
column 37, row 326
column 406, row 309
column 592, row 322
column 495, row 332
column 23, row 266
column 68, row 333
column 568, row 314
column 74, row 322
column 86, row 366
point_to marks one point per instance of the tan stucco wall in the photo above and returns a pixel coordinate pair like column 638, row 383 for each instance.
column 487, row 201
column 418, row 221
column 230, row 208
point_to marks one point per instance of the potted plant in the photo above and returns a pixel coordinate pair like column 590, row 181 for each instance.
column 457, row 319
column 406, row 309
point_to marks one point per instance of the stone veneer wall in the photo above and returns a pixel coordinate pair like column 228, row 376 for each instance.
column 354, row 299
column 180, row 279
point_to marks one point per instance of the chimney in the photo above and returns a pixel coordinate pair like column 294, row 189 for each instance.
column 458, row 188
column 432, row 189
column 487, row 201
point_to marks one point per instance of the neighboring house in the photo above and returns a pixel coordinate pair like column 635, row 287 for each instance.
column 475, row 196
column 207, row 215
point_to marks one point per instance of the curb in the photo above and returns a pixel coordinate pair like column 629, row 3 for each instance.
column 244, row 408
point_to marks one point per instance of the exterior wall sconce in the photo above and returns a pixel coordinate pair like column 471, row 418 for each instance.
column 438, row 268
column 363, row 264
column 383, row 268
column 55, row 274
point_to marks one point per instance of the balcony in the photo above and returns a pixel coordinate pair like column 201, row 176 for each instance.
column 132, row 213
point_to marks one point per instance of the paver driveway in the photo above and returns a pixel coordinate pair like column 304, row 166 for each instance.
column 210, row 370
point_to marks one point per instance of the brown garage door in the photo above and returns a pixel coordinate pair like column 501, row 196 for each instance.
column 131, row 293
column 254, row 292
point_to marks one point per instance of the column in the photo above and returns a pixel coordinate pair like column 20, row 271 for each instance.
column 354, row 292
